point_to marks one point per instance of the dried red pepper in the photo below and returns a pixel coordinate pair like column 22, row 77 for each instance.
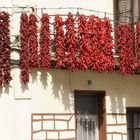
column 24, row 53
column 84, row 60
column 45, row 41
column 138, row 45
column 33, row 41
column 125, row 48
column 1, row 49
column 96, row 42
column 93, row 39
column 71, row 43
column 101, row 42
column 109, row 62
column 6, row 47
column 59, row 42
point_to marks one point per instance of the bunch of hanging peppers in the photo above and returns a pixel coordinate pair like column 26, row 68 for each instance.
column 138, row 45
column 24, row 53
column 108, row 55
column 59, row 42
column 85, row 50
column 33, row 41
column 1, row 49
column 71, row 43
column 45, row 41
column 6, row 47
column 125, row 46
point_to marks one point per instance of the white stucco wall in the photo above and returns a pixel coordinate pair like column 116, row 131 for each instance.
column 54, row 94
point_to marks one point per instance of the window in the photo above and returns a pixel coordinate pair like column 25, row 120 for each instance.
column 127, row 11
column 123, row 10
column 136, row 11
column 133, row 123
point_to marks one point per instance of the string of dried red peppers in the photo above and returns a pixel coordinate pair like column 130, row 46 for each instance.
column 24, row 53
column 71, row 43
column 45, row 41
column 101, row 45
column 94, row 31
column 59, row 42
column 126, row 49
column 6, row 47
column 84, row 60
column 108, row 55
column 33, row 41
column 1, row 49
column 138, row 45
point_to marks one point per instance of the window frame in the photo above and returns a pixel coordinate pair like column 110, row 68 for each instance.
column 116, row 21
column 132, row 110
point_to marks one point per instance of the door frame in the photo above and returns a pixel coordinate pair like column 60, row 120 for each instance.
column 101, row 109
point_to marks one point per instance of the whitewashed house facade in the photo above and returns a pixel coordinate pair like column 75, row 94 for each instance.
column 53, row 104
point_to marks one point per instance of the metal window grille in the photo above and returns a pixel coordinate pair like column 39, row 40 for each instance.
column 123, row 11
column 133, row 127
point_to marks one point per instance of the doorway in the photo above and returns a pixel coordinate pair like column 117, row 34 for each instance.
column 90, row 115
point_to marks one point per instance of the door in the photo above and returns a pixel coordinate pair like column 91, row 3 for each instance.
column 86, row 107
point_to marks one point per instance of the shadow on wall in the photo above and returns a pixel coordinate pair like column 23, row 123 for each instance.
column 34, row 74
column 117, row 104
column 24, row 87
column 61, row 87
column 58, row 82
column 4, row 89
column 118, row 88
column 117, row 94
column 123, row 92
column 55, row 81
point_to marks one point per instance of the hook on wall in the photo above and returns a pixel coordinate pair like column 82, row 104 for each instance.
column 98, row 13
column 33, row 9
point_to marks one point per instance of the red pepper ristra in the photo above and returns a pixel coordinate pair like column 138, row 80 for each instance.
column 95, row 40
column 71, row 43
column 33, row 41
column 24, row 53
column 125, row 48
column 6, row 47
column 108, row 55
column 59, row 42
column 45, row 41
column 84, row 60
column 1, row 49
column 138, row 45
